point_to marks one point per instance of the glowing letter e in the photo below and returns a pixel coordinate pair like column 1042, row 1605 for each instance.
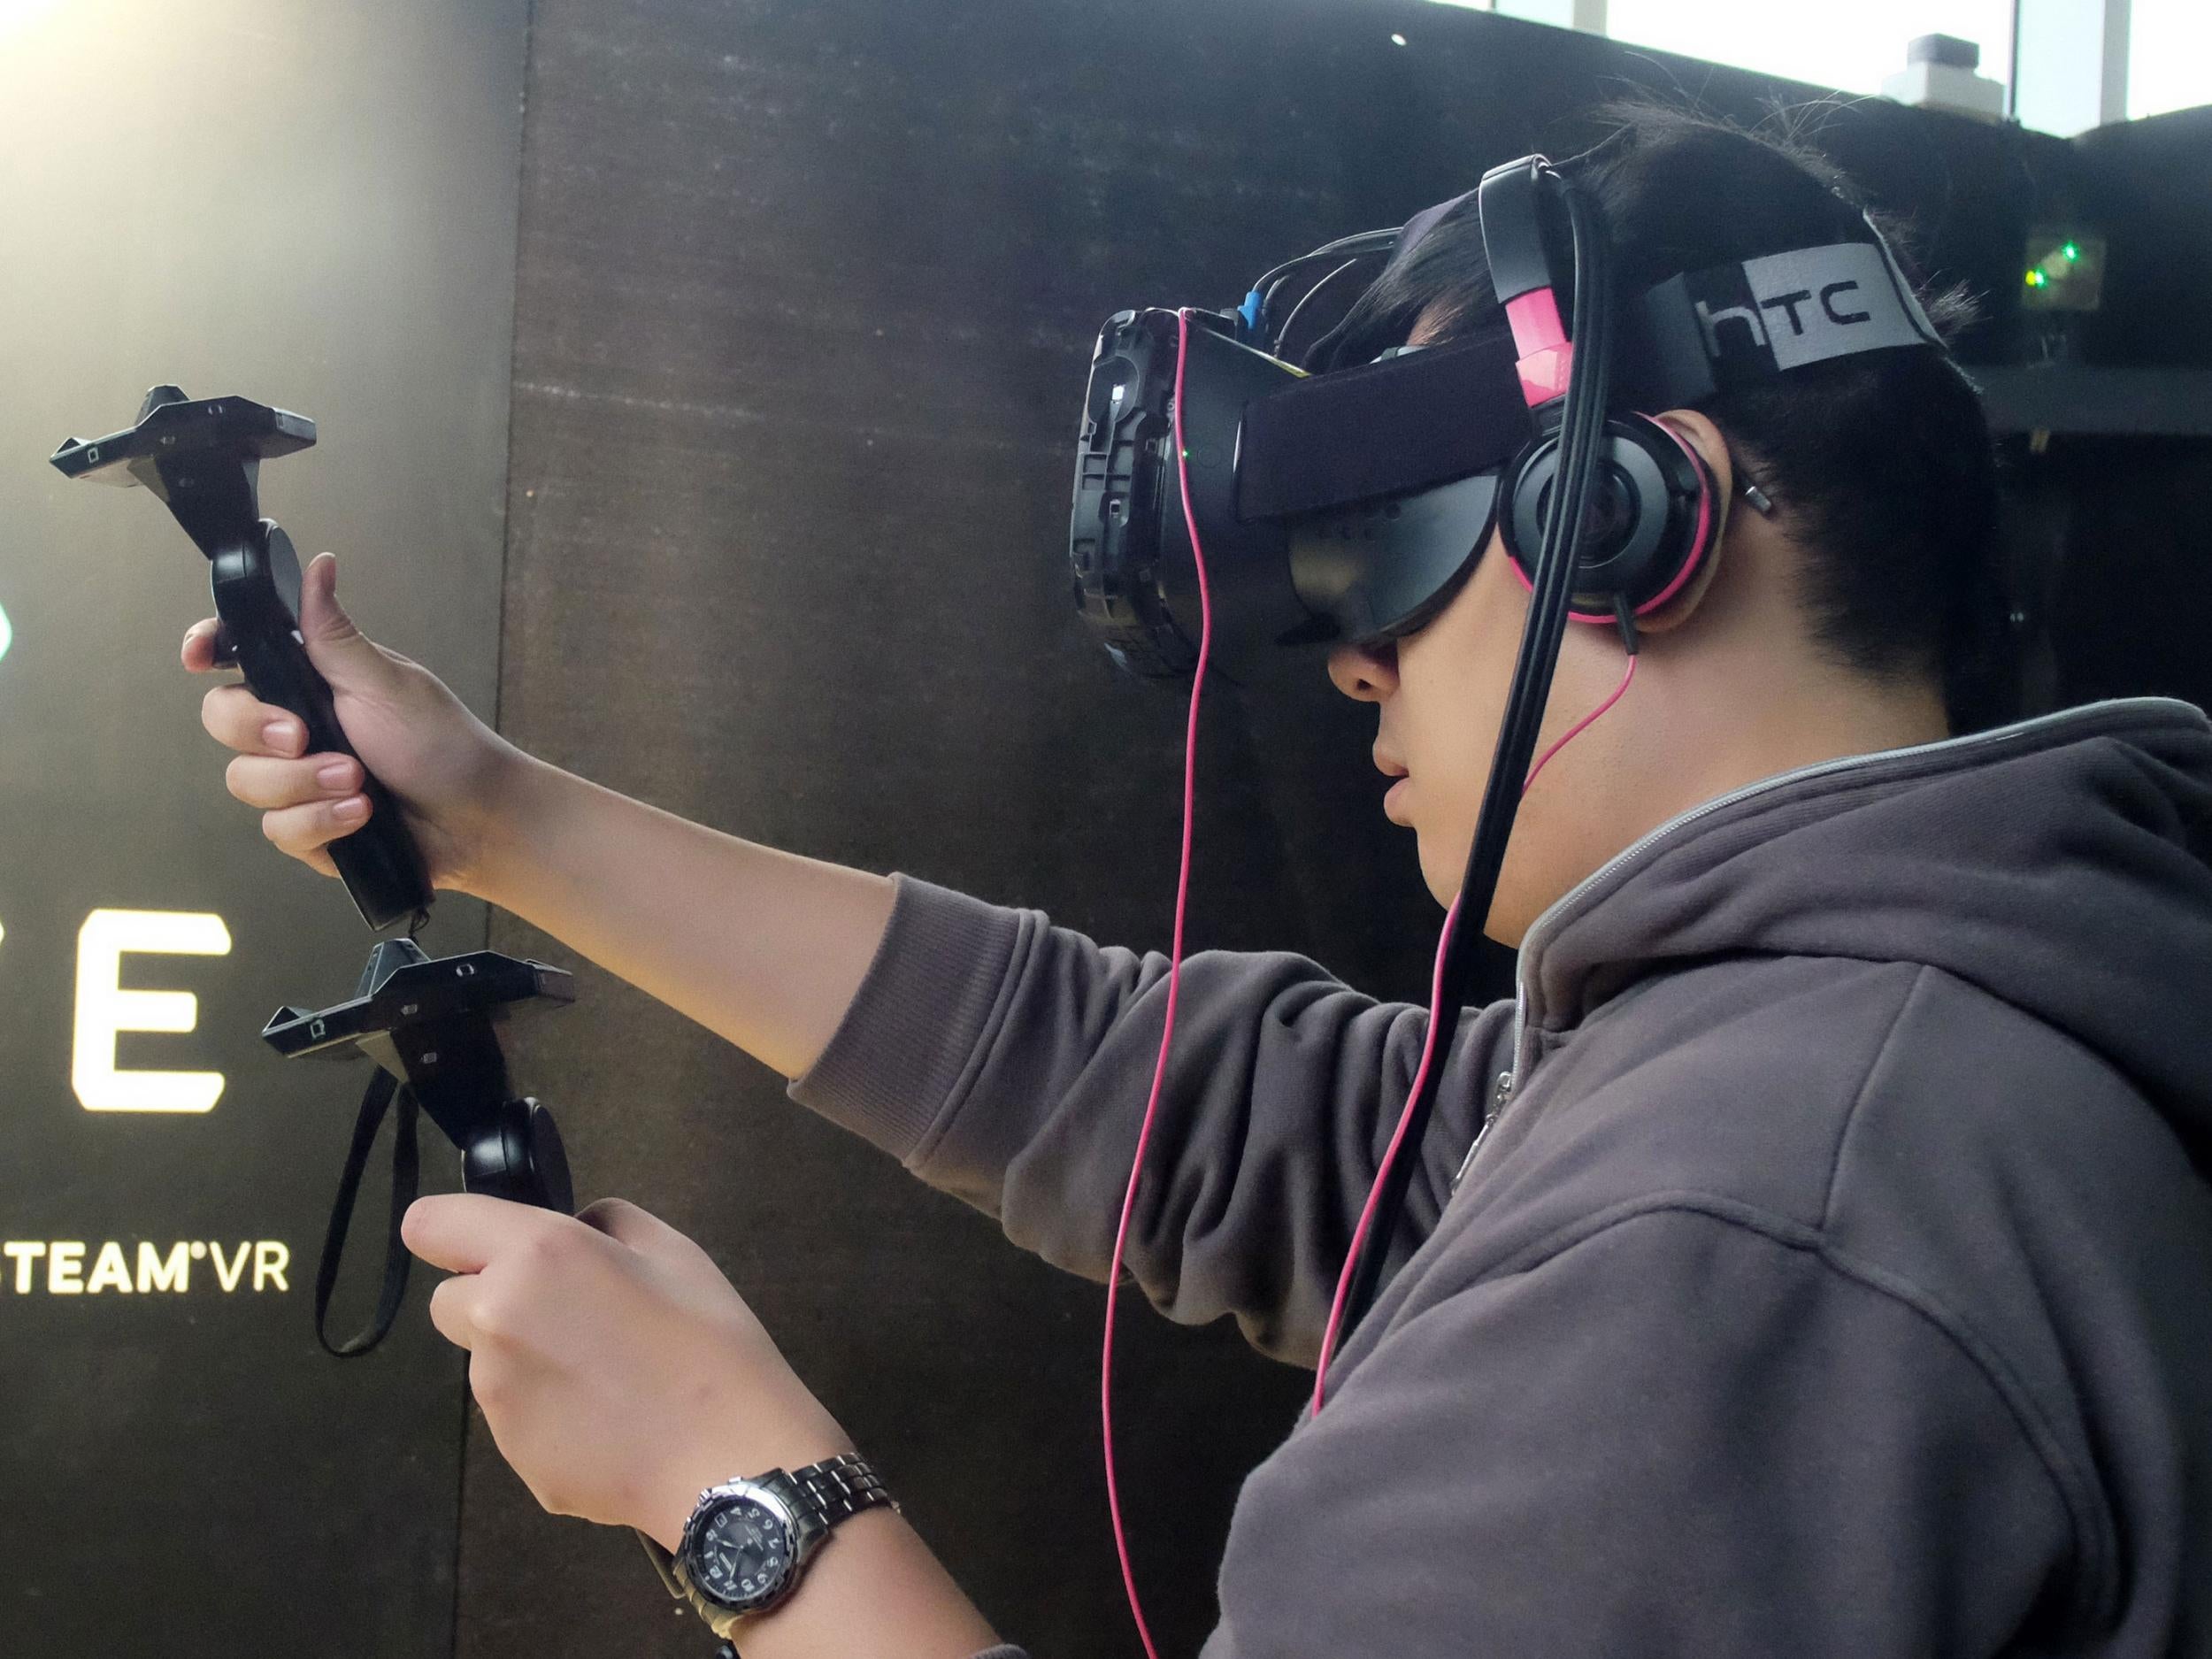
column 105, row 1008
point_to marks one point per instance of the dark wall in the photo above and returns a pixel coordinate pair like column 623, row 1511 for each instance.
column 807, row 290
column 2131, row 598
column 2148, row 186
column 312, row 205
column 803, row 297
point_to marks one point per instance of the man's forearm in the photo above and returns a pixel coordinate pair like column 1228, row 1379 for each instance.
column 763, row 947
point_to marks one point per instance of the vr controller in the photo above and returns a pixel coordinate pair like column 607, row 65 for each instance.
column 427, row 1022
column 203, row 460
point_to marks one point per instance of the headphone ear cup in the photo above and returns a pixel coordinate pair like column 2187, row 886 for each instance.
column 1694, row 514
column 1653, row 516
column 1507, row 509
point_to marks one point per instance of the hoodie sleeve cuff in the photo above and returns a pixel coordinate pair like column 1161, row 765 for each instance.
column 923, row 1009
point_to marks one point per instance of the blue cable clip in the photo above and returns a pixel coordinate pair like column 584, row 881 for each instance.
column 1249, row 314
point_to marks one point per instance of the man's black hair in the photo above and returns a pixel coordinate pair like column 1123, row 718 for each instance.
column 1880, row 466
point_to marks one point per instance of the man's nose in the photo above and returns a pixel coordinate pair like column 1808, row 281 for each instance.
column 1365, row 673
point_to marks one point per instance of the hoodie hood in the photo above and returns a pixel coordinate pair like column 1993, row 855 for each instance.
column 2059, row 864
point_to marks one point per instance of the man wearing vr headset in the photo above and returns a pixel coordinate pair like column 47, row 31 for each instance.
column 1832, row 1274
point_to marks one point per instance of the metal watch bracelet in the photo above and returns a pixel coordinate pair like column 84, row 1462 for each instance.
column 825, row 1493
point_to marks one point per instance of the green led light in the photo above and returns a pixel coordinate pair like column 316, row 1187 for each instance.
column 2035, row 278
column 2072, row 250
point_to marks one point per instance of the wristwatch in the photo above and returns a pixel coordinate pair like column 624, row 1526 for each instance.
column 748, row 1540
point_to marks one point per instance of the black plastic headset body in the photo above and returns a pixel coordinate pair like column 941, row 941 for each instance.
column 1335, row 506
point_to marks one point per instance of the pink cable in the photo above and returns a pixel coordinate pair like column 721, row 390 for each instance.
column 1174, row 984
column 1575, row 730
column 1428, row 1050
column 1390, row 1156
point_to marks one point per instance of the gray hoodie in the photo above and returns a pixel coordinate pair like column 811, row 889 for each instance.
column 1833, row 1275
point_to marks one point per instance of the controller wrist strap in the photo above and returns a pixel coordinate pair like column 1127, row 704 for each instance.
column 406, row 1181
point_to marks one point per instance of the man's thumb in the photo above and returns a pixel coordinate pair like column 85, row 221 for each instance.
column 336, row 648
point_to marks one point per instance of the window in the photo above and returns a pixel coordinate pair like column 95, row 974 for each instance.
column 1804, row 42
column 2169, row 56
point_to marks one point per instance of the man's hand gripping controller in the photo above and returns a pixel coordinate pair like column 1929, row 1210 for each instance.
column 202, row 459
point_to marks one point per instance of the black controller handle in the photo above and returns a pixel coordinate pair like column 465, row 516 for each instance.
column 202, row 459
column 256, row 583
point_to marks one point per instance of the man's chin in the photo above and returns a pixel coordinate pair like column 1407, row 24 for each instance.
column 1443, row 887
column 1443, row 869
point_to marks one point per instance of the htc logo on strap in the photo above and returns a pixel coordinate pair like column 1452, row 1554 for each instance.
column 1784, row 309
column 1711, row 320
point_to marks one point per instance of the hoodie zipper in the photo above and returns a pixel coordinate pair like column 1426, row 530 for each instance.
column 1499, row 1091
column 1509, row 1082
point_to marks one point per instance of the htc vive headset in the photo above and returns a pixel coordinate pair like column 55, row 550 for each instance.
column 1336, row 506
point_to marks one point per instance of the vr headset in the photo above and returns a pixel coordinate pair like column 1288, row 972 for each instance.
column 1337, row 506
column 1229, row 505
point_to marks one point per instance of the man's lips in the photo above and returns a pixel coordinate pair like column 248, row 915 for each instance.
column 1391, row 799
column 1391, row 766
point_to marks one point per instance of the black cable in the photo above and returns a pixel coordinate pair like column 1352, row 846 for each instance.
column 1274, row 337
column 1304, row 300
column 1267, row 307
column 1368, row 240
column 1317, row 353
column 1553, row 585
column 1582, row 426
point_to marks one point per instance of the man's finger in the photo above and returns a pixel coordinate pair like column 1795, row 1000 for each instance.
column 463, row 1231
column 199, row 646
column 453, row 1309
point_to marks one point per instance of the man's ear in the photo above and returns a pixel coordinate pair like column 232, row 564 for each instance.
column 1698, row 431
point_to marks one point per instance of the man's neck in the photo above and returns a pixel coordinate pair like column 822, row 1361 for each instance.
column 1823, row 722
column 1779, row 731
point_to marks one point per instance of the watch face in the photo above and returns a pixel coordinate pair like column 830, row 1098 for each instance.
column 742, row 1555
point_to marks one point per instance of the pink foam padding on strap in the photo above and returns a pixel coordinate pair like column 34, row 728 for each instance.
column 1546, row 356
column 1545, row 375
column 1535, row 319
